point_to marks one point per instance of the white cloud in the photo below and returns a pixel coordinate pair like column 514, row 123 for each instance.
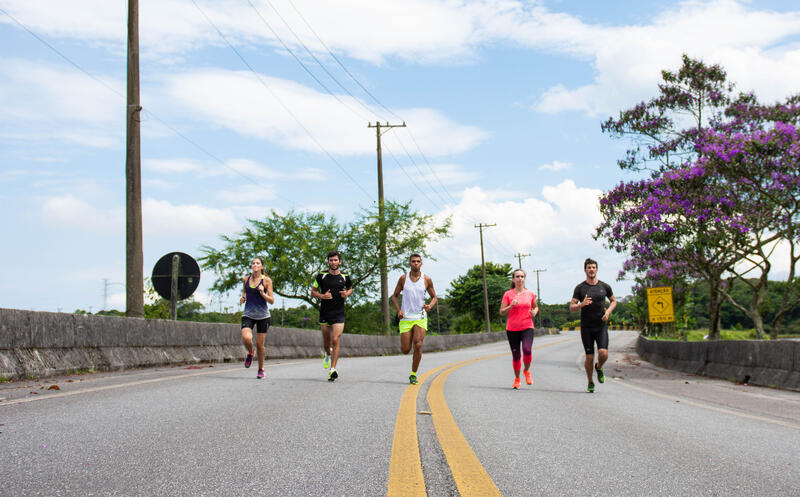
column 43, row 102
column 239, row 101
column 247, row 194
column 162, row 218
column 68, row 211
column 555, row 166
column 749, row 43
column 235, row 168
column 555, row 228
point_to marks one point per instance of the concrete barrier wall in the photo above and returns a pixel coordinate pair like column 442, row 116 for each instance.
column 46, row 343
column 773, row 363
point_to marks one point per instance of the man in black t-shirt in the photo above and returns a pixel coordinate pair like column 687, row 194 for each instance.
column 332, row 288
column 589, row 296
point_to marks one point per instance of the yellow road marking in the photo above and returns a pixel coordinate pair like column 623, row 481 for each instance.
column 122, row 385
column 469, row 474
column 405, row 467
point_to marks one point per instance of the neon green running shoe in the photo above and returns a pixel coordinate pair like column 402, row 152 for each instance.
column 333, row 374
column 412, row 378
column 590, row 388
column 326, row 361
column 600, row 376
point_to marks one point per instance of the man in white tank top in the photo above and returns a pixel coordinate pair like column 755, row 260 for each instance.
column 414, row 312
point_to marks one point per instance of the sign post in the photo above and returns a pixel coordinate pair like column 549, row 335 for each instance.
column 175, row 277
column 659, row 304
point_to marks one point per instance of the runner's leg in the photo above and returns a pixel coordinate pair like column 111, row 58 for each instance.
column 261, row 338
column 418, row 336
column 335, row 334
column 527, row 347
column 405, row 341
column 247, row 340
column 514, row 340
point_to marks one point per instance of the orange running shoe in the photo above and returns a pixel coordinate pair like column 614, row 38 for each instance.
column 528, row 378
column 516, row 383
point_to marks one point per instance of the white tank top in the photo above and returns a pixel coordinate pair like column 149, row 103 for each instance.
column 413, row 298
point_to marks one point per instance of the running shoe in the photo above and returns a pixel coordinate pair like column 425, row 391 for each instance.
column 600, row 376
column 248, row 360
column 412, row 378
column 333, row 374
column 517, row 383
column 326, row 361
column 528, row 378
column 260, row 374
column 590, row 388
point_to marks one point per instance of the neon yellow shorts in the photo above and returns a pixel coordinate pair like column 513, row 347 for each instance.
column 407, row 325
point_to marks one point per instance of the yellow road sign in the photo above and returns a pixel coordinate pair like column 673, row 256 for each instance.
column 659, row 304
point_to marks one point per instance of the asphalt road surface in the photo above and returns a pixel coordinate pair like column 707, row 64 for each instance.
column 462, row 431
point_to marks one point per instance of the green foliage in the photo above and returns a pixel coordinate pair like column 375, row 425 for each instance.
column 294, row 247
column 466, row 291
column 465, row 323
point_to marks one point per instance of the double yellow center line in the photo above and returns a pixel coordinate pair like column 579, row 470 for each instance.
column 405, row 468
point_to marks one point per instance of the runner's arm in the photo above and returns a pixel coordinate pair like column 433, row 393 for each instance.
column 397, row 290
column 266, row 290
column 431, row 292
column 611, row 307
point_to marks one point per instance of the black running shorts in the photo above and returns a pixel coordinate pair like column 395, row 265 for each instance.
column 331, row 318
column 591, row 335
column 260, row 325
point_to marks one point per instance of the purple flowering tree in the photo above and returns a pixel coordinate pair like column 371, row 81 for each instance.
column 664, row 128
column 719, row 211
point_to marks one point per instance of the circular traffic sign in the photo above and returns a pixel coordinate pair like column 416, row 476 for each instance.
column 188, row 276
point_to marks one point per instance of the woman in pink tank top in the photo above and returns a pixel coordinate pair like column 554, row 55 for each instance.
column 520, row 304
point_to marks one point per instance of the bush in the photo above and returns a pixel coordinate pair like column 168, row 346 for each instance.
column 465, row 323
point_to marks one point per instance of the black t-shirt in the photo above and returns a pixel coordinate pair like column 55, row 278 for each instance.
column 592, row 315
column 335, row 283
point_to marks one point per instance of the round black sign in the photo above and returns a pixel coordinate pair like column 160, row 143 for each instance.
column 188, row 276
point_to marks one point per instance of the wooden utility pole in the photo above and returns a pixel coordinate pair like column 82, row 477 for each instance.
column 382, row 227
column 519, row 257
column 483, row 271
column 538, row 295
column 134, row 260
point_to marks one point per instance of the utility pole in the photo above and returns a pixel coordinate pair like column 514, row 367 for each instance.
column 382, row 226
column 134, row 260
column 538, row 295
column 519, row 257
column 480, row 226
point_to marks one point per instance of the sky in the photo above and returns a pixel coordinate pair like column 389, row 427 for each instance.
column 252, row 106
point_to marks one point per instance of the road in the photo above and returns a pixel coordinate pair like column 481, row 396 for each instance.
column 463, row 431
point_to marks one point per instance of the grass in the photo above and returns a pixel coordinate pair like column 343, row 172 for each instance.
column 699, row 335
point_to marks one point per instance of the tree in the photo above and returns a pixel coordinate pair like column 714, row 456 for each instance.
column 692, row 96
column 722, row 210
column 466, row 291
column 294, row 248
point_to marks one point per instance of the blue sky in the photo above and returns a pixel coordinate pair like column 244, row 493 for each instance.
column 504, row 98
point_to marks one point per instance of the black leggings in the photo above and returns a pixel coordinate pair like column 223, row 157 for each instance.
column 517, row 338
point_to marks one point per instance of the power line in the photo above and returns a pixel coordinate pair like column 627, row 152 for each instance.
column 373, row 97
column 322, row 85
column 285, row 46
column 146, row 111
column 300, row 41
column 285, row 107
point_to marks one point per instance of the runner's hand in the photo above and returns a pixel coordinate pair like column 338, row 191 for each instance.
column 513, row 303
column 343, row 293
column 327, row 295
column 242, row 300
column 401, row 315
column 587, row 300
